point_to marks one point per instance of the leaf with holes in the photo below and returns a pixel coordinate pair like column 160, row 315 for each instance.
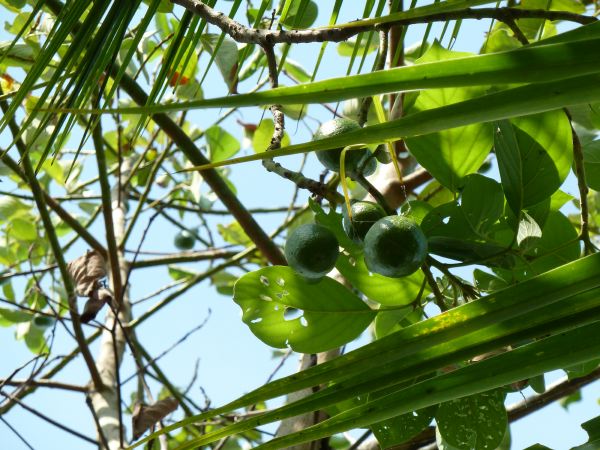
column 477, row 422
column 282, row 309
column 402, row 428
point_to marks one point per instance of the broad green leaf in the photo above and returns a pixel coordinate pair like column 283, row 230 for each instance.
column 477, row 422
column 402, row 428
column 33, row 337
column 296, row 71
column 13, row 5
column 591, row 158
column 10, row 317
column 24, row 229
column 296, row 112
column 529, row 231
column 557, row 246
column 263, row 135
column 11, row 207
column 487, row 282
column 416, row 209
column 391, row 320
column 18, row 55
column 221, row 144
column 451, row 154
column 180, row 273
column 581, row 370
column 226, row 55
column 534, row 157
column 233, row 233
column 302, row 14
column 592, row 428
column 331, row 315
column 223, row 282
column 348, row 48
column 482, row 202
column 499, row 40
column 386, row 291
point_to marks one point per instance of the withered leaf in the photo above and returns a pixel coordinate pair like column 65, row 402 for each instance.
column 145, row 416
column 86, row 271
column 95, row 303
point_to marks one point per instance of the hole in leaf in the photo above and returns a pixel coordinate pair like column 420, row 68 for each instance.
column 352, row 261
column 445, row 220
column 281, row 282
column 266, row 298
column 303, row 322
column 257, row 320
column 264, row 280
column 292, row 313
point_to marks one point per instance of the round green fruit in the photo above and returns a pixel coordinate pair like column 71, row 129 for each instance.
column 312, row 250
column 184, row 240
column 364, row 215
column 395, row 246
column 331, row 158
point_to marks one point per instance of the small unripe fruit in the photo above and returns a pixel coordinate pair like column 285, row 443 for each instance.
column 364, row 215
column 312, row 250
column 395, row 246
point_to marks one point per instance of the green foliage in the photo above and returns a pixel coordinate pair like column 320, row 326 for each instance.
column 283, row 310
column 449, row 155
column 476, row 422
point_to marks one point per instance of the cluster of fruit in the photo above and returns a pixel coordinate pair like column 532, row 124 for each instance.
column 394, row 246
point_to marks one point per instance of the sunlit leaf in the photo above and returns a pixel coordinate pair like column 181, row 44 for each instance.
column 283, row 309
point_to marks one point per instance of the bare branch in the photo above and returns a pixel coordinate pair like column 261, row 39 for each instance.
column 243, row 34
column 41, row 382
column 49, row 419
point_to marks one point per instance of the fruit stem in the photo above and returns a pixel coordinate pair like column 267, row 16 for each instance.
column 378, row 196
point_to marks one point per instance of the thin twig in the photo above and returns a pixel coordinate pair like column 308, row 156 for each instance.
column 40, row 200
column 439, row 298
column 19, row 435
column 49, row 419
column 40, row 382
column 315, row 187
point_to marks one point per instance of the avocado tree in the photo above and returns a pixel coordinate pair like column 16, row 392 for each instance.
column 440, row 206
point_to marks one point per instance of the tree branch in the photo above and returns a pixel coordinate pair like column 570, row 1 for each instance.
column 42, row 382
column 40, row 200
column 247, row 35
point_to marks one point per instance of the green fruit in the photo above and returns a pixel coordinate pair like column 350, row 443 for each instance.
column 395, row 246
column 364, row 215
column 312, row 250
column 331, row 158
column 184, row 240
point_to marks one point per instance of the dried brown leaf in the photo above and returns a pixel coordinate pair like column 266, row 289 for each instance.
column 95, row 303
column 86, row 271
column 145, row 416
